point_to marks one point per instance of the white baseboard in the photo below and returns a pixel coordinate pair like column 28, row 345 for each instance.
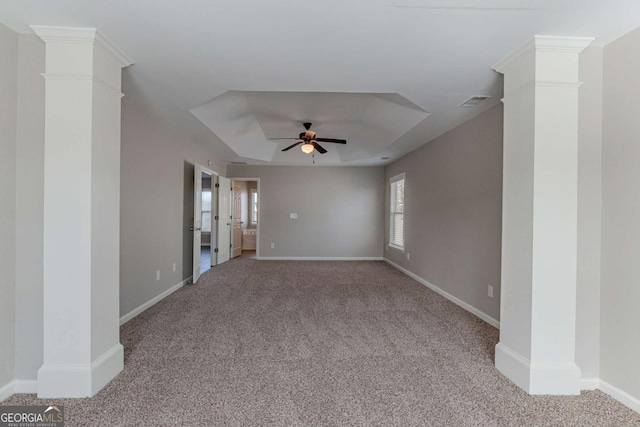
column 106, row 367
column 82, row 379
column 621, row 396
column 592, row 383
column 136, row 311
column 556, row 378
column 7, row 390
column 513, row 366
column 18, row 386
column 25, row 386
column 317, row 258
column 471, row 309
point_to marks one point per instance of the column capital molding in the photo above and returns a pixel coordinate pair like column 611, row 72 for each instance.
column 79, row 35
column 573, row 45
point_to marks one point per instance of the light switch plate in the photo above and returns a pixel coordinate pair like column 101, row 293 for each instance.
column 293, row 215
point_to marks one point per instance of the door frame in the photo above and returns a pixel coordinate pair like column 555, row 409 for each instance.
column 233, row 218
column 222, row 217
column 198, row 170
column 233, row 178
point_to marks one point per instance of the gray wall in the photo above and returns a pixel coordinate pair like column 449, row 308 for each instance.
column 156, row 206
column 339, row 210
column 620, row 288
column 8, row 126
column 589, row 213
column 29, row 208
column 453, row 197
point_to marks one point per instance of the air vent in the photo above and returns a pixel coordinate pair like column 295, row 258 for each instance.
column 238, row 163
column 474, row 101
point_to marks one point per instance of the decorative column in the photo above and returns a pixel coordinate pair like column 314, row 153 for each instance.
column 539, row 213
column 82, row 350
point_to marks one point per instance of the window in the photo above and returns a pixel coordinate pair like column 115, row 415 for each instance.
column 396, row 210
column 254, row 206
column 206, row 211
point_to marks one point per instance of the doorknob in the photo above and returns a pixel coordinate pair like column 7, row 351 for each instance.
column 196, row 229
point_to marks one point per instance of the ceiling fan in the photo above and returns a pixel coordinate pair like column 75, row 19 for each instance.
column 309, row 141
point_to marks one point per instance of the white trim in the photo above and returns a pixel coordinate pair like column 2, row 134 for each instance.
column 86, row 77
column 80, row 35
column 106, row 367
column 18, row 387
column 619, row 395
column 549, row 378
column 249, row 179
column 592, row 383
column 399, row 177
column 395, row 247
column 136, row 311
column 25, row 386
column 471, row 309
column 513, row 365
column 545, row 44
column 7, row 390
column 81, row 379
column 555, row 378
column 317, row 258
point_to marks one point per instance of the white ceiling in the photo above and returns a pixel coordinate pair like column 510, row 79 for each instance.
column 371, row 123
column 434, row 53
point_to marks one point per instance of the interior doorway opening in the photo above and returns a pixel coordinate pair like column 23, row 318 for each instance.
column 206, row 208
column 245, row 217
column 206, row 262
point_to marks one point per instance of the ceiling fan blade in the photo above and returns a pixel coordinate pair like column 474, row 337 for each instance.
column 291, row 146
column 318, row 147
column 292, row 139
column 336, row 141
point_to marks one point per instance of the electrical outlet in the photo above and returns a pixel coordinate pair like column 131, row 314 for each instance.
column 174, row 267
column 273, row 245
column 490, row 291
column 408, row 256
column 157, row 275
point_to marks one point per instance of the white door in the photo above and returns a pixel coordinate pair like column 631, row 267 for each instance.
column 236, row 220
column 197, row 220
column 224, row 221
column 199, row 170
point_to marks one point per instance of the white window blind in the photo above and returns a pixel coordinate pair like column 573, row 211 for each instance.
column 396, row 220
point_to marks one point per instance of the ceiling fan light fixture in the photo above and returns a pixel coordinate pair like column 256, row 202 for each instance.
column 307, row 148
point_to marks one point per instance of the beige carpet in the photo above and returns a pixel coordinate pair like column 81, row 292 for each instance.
column 318, row 343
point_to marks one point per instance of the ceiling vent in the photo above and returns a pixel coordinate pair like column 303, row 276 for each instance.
column 238, row 163
column 474, row 101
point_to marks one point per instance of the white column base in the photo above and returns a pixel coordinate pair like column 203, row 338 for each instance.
column 538, row 378
column 81, row 380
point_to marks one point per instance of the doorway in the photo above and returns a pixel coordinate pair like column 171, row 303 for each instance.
column 245, row 217
column 206, row 262
column 204, row 211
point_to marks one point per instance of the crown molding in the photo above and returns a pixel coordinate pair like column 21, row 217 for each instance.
column 545, row 44
column 79, row 35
